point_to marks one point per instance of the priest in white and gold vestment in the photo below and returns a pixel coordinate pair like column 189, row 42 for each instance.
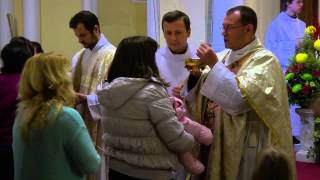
column 248, row 85
column 90, row 66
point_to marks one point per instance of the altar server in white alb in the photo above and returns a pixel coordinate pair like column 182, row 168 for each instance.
column 283, row 36
column 285, row 32
column 170, row 59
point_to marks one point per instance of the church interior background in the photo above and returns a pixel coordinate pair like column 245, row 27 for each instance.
column 46, row 21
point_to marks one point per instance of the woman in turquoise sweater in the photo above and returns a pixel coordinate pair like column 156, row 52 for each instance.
column 50, row 140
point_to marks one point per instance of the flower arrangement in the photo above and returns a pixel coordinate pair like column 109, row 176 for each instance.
column 303, row 74
column 303, row 81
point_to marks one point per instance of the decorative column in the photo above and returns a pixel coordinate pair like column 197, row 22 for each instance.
column 153, row 19
column 5, row 8
column 196, row 10
column 306, row 132
column 266, row 12
column 90, row 5
column 31, row 19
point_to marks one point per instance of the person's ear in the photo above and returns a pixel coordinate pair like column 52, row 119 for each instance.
column 189, row 32
column 249, row 28
column 96, row 29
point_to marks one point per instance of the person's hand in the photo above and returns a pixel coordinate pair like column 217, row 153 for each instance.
column 207, row 55
column 176, row 91
column 80, row 98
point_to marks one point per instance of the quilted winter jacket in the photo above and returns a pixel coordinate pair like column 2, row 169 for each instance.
column 142, row 135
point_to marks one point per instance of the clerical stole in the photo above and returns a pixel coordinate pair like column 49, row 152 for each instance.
column 88, row 74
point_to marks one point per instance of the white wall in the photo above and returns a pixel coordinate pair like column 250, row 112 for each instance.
column 219, row 9
column 5, row 7
column 195, row 9
column 266, row 11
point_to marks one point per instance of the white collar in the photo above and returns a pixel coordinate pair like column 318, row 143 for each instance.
column 102, row 42
column 285, row 16
column 238, row 54
column 188, row 54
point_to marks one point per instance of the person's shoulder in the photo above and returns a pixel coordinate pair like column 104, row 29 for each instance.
column 277, row 20
column 160, row 55
column 154, row 90
column 69, row 110
column 78, row 53
column 302, row 22
column 76, row 56
column 264, row 54
column 161, row 51
column 68, row 114
column 109, row 49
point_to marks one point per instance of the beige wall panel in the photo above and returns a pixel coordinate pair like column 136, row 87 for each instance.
column 122, row 18
column 266, row 12
column 17, row 11
column 196, row 10
column 54, row 26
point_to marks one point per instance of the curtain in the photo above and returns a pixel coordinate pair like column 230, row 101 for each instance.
column 153, row 19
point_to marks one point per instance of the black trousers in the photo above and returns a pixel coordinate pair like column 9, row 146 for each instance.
column 114, row 175
column 6, row 162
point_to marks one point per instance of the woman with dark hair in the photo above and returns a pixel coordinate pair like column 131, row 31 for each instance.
column 36, row 47
column 272, row 164
column 142, row 135
column 13, row 55
column 135, row 59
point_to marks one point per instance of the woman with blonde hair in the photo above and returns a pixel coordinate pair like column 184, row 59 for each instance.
column 50, row 140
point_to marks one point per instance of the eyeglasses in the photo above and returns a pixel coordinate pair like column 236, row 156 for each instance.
column 227, row 28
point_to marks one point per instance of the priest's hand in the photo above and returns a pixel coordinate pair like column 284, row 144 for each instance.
column 80, row 98
column 207, row 55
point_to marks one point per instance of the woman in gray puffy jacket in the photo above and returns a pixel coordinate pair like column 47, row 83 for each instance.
column 142, row 135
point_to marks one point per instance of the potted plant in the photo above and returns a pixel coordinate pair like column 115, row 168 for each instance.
column 303, row 85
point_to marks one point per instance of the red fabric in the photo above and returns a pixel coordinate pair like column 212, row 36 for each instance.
column 8, row 106
column 315, row 17
column 308, row 171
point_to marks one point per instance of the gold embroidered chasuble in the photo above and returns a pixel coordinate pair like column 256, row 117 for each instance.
column 202, row 110
column 238, row 138
column 88, row 74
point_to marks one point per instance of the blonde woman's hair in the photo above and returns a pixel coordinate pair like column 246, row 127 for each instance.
column 44, row 86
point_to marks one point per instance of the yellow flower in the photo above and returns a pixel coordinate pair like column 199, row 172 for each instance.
column 310, row 30
column 316, row 44
column 312, row 84
column 301, row 57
